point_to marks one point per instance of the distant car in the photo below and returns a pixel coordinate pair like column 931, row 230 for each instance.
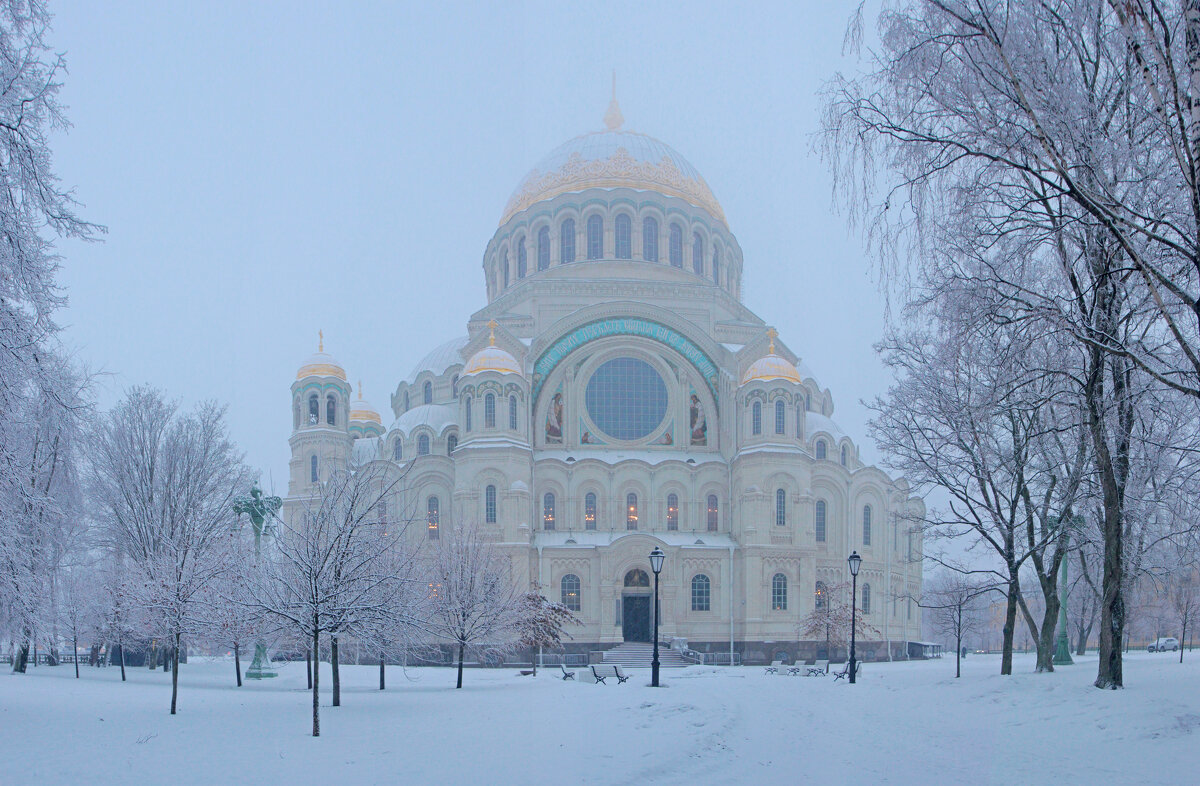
column 1170, row 644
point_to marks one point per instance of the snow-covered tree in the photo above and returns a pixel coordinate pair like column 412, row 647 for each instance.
column 953, row 601
column 830, row 619
column 542, row 623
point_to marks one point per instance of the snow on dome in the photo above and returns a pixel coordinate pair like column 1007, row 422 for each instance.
column 361, row 410
column 613, row 159
column 440, row 359
column 320, row 363
column 435, row 416
column 492, row 358
column 771, row 366
column 815, row 422
column 366, row 450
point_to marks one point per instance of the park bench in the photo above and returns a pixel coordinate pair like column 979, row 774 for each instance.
column 603, row 672
column 794, row 671
column 818, row 669
column 566, row 675
column 837, row 675
column 774, row 667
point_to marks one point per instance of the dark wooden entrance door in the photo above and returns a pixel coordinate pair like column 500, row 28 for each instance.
column 635, row 617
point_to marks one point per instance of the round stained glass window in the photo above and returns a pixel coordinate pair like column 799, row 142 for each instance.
column 626, row 398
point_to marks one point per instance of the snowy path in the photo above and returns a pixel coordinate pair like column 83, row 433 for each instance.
column 903, row 723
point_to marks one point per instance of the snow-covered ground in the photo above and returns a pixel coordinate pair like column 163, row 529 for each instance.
column 903, row 723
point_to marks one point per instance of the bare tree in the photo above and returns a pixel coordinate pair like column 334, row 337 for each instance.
column 954, row 600
column 831, row 619
column 475, row 600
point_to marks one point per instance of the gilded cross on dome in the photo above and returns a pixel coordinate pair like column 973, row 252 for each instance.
column 771, row 334
column 320, row 340
column 360, row 390
column 613, row 119
column 492, row 338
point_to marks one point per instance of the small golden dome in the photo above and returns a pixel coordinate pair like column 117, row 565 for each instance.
column 362, row 410
column 320, row 363
column 492, row 358
column 771, row 366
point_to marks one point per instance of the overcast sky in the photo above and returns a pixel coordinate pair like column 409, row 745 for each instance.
column 270, row 169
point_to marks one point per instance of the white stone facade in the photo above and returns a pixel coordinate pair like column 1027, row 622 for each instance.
column 635, row 402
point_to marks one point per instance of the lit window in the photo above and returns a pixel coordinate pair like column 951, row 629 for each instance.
column 672, row 511
column 489, row 411
column 469, row 402
column 432, row 517
column 820, row 521
column 867, row 525
column 331, row 411
column 675, row 246
column 780, row 508
column 423, row 445
column 489, row 505
column 548, row 511
column 312, row 467
column 589, row 511
column 543, row 248
column 566, row 242
column 779, row 592
column 522, row 259
column 512, row 413
column 866, row 599
column 623, row 229
column 821, row 450
column 631, row 511
column 626, row 398
column 427, row 392
column 595, row 237
column 756, row 418
column 451, row 444
column 697, row 254
column 701, row 593
column 779, row 416
column 714, row 513
column 398, row 450
column 822, row 594
column 650, row 239
column 570, row 592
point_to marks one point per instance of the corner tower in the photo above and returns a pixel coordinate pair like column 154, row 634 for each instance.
column 320, row 439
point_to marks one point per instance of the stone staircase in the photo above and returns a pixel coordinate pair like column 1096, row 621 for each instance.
column 639, row 654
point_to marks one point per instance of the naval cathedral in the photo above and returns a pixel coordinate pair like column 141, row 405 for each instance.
column 615, row 395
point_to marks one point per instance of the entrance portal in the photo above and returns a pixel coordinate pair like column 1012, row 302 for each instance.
column 635, row 617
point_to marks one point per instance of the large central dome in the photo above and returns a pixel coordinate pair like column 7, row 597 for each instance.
column 613, row 159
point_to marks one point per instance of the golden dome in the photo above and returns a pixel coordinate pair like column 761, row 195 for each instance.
column 362, row 410
column 771, row 366
column 321, row 364
column 492, row 358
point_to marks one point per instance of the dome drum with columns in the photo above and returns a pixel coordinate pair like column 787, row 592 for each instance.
column 615, row 395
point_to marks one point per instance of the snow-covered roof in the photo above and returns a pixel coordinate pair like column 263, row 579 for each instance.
column 818, row 422
column 436, row 416
column 613, row 456
column 699, row 540
column 366, row 450
column 440, row 359
column 770, row 447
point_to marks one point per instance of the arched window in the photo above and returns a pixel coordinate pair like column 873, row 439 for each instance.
column 489, row 411
column 779, row 416
column 454, row 386
column 866, row 599
column 623, row 229
column 468, row 404
column 780, row 507
column 595, row 237
column 637, row 578
column 697, row 254
column 650, row 239
column 714, row 513
column 701, row 593
column 820, row 522
column 406, row 401
column 296, row 414
column 589, row 511
column 548, row 511
column 314, row 410
column 398, row 450
column 756, row 418
column 672, row 511
column 427, row 392
column 331, row 411
column 822, row 596
column 843, row 455
column 423, row 445
column 543, row 248
column 433, row 517
column 312, row 468
column 569, row 587
column 675, row 246
column 522, row 258
column 866, row 525
column 489, row 505
column 821, row 450
column 799, row 423
column 716, row 271
column 631, row 511
column 504, row 267
column 512, row 413
column 779, row 592
column 808, row 401
column 566, row 242
column 451, row 444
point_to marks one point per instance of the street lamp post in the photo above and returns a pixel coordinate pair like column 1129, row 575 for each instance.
column 855, row 561
column 656, row 562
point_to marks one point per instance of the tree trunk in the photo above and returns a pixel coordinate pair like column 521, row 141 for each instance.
column 316, row 679
column 308, row 666
column 381, row 681
column 533, row 657
column 1045, row 644
column 1010, row 627
column 333, row 662
column 122, row 648
column 75, row 643
column 1182, row 639
column 175, row 674
column 460, row 662
column 21, row 661
column 237, row 663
